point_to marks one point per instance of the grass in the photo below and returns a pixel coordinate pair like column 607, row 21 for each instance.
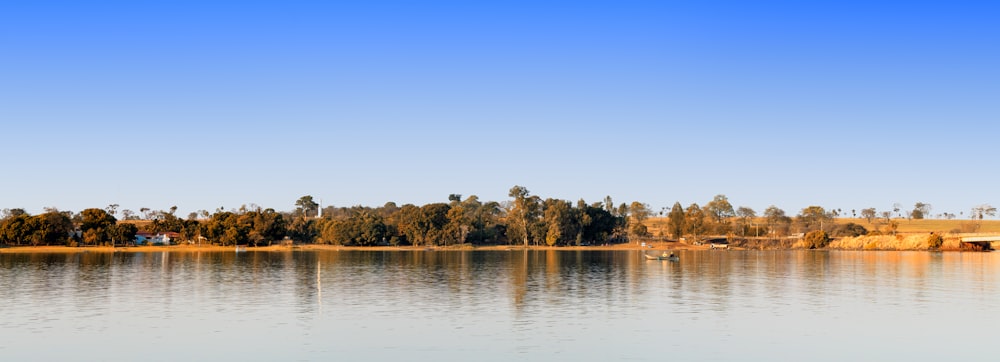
column 931, row 225
column 658, row 225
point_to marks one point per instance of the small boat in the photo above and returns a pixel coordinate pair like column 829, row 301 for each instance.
column 664, row 256
column 240, row 249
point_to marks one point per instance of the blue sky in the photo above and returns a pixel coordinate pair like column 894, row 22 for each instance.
column 845, row 104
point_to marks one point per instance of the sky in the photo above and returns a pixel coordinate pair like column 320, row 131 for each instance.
column 217, row 104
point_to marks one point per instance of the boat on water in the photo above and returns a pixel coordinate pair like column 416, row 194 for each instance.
column 664, row 256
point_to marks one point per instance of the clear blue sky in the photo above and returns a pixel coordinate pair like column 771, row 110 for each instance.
column 199, row 104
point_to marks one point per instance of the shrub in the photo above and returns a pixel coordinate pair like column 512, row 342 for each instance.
column 816, row 239
column 934, row 241
column 850, row 229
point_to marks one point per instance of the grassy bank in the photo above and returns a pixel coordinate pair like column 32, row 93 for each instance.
column 658, row 225
column 657, row 245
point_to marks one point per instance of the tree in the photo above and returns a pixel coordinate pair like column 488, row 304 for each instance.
column 128, row 214
column 52, row 227
column 920, row 210
column 15, row 228
column 983, row 210
column 95, row 225
column 694, row 219
column 719, row 208
column 434, row 218
column 814, row 217
column 868, row 214
column 112, row 209
column 675, row 222
column 746, row 216
column 776, row 220
column 123, row 233
column 407, row 222
column 638, row 213
column 459, row 224
column 486, row 220
column 522, row 214
column 562, row 222
column 306, row 207
column 362, row 228
column 265, row 226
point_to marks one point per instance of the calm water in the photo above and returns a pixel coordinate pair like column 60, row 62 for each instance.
column 499, row 306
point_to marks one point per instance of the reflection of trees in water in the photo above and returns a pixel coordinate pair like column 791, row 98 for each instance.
column 521, row 281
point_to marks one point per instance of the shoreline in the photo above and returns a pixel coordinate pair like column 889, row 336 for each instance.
column 320, row 247
column 650, row 246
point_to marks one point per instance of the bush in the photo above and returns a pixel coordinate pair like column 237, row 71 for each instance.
column 934, row 241
column 816, row 239
column 850, row 229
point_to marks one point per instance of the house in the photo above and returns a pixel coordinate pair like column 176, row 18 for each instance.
column 148, row 238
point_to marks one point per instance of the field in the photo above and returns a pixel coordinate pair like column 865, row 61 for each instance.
column 658, row 225
column 933, row 225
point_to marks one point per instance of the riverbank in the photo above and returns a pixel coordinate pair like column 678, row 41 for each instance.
column 280, row 248
column 952, row 242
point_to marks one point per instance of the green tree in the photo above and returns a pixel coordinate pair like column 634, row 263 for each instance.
column 15, row 228
column 433, row 220
column 363, row 227
column 676, row 222
column 408, row 223
column 122, row 233
column 306, row 207
column 52, row 227
column 95, row 225
column 598, row 223
column 264, row 226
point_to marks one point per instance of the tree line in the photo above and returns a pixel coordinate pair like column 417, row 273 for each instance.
column 524, row 219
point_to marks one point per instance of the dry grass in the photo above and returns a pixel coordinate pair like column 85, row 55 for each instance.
column 930, row 225
column 658, row 225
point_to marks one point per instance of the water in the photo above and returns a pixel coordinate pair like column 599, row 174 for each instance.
column 499, row 306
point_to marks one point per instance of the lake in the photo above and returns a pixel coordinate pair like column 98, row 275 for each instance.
column 499, row 306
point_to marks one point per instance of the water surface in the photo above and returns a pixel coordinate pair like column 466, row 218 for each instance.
column 499, row 306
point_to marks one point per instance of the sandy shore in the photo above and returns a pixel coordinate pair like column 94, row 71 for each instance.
column 278, row 248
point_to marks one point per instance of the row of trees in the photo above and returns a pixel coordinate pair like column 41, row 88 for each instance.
column 719, row 217
column 54, row 227
column 525, row 219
